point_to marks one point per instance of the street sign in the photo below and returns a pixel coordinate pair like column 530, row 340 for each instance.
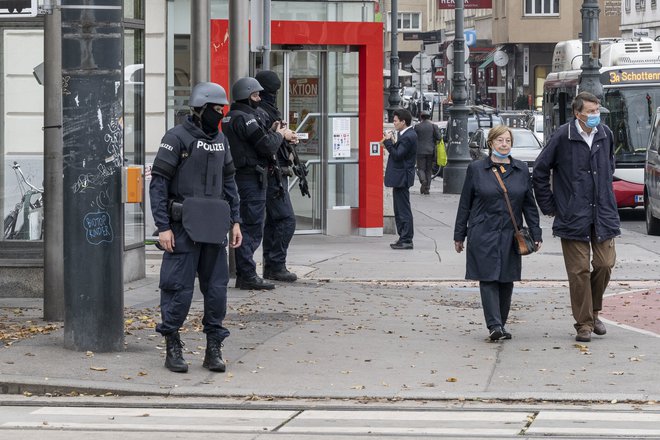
column 427, row 37
column 421, row 62
column 18, row 9
column 470, row 36
column 449, row 52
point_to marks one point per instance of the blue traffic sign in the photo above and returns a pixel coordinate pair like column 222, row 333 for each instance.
column 470, row 36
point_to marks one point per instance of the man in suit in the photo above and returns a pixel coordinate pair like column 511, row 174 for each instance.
column 400, row 175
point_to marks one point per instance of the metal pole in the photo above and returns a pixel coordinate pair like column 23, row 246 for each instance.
column 93, row 144
column 420, row 107
column 590, row 78
column 239, row 47
column 458, row 156
column 53, row 208
column 394, row 99
column 266, row 37
column 200, row 41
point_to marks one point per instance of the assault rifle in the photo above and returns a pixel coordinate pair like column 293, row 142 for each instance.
column 298, row 168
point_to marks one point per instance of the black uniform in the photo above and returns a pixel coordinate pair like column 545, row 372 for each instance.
column 280, row 219
column 191, row 163
column 252, row 146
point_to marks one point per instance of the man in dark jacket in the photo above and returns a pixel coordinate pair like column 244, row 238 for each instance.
column 400, row 175
column 280, row 222
column 192, row 178
column 580, row 158
column 252, row 147
column 428, row 135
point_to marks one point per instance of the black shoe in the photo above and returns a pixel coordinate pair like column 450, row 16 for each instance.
column 401, row 245
column 213, row 357
column 174, row 356
column 496, row 333
column 280, row 275
column 253, row 283
column 506, row 334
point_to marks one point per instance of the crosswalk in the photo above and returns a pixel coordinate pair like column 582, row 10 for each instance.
column 467, row 423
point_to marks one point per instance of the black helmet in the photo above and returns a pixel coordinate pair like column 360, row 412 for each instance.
column 244, row 87
column 207, row 93
column 269, row 81
column 425, row 113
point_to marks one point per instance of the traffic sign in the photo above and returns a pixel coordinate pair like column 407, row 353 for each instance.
column 470, row 36
column 18, row 9
column 421, row 62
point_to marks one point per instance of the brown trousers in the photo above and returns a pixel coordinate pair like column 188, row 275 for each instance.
column 587, row 286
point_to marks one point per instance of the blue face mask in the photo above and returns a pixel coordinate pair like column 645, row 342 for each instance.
column 593, row 120
column 500, row 155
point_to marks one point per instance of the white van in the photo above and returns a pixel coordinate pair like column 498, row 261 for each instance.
column 652, row 179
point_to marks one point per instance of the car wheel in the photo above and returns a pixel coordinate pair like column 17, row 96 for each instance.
column 652, row 223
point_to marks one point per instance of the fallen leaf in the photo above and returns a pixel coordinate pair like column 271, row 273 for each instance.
column 452, row 379
column 98, row 368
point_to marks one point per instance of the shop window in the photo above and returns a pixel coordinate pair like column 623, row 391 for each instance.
column 541, row 7
column 21, row 135
column 134, row 128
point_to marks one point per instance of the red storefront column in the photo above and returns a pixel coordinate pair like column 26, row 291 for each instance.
column 368, row 37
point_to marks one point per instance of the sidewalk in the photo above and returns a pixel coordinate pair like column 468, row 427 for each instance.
column 368, row 322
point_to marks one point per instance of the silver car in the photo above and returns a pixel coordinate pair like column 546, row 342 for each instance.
column 526, row 146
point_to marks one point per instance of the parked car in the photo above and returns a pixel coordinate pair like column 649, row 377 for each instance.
column 652, row 179
column 526, row 146
column 535, row 123
column 480, row 116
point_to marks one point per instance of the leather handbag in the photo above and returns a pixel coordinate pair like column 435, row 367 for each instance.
column 523, row 243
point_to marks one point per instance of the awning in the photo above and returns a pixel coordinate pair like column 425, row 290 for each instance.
column 402, row 73
column 487, row 61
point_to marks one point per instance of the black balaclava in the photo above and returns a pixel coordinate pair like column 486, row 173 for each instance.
column 209, row 118
column 251, row 102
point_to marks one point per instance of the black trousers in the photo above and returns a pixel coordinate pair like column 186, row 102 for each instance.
column 253, row 213
column 496, row 302
column 280, row 225
column 177, row 282
column 403, row 217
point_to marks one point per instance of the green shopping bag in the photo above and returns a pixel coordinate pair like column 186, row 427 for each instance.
column 441, row 153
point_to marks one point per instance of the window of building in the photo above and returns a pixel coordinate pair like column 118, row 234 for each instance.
column 408, row 21
column 640, row 5
column 541, row 7
column 627, row 5
column 654, row 4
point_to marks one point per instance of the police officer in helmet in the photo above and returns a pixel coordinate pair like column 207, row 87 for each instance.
column 253, row 144
column 194, row 202
column 280, row 218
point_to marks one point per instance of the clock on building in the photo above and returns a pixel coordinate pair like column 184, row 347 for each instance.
column 500, row 58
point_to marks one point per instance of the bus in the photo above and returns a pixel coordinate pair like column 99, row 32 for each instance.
column 630, row 75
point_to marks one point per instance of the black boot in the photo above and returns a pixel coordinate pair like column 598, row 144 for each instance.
column 174, row 358
column 213, row 357
column 282, row 274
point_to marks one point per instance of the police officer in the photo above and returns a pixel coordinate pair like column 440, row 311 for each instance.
column 280, row 219
column 252, row 147
column 194, row 202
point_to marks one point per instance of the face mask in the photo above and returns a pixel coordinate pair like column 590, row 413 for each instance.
column 593, row 120
column 253, row 103
column 500, row 155
column 210, row 120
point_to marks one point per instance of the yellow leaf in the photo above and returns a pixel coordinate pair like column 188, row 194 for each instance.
column 452, row 379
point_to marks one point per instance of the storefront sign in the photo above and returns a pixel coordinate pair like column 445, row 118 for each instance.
column 469, row 4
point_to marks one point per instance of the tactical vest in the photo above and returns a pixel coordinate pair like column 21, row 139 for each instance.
column 201, row 167
column 242, row 146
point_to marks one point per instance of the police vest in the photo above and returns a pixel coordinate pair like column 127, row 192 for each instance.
column 201, row 167
column 244, row 130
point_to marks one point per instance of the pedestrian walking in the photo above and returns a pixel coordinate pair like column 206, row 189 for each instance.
column 280, row 222
column 483, row 217
column 252, row 147
column 428, row 136
column 194, row 202
column 580, row 158
column 400, row 175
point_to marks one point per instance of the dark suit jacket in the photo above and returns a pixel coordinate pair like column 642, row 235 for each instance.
column 400, row 170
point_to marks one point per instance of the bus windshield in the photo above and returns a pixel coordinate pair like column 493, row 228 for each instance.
column 630, row 118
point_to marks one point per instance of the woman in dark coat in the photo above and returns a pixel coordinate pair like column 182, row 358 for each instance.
column 484, row 219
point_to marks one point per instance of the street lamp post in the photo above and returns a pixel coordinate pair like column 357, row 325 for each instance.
column 590, row 78
column 394, row 99
column 458, row 156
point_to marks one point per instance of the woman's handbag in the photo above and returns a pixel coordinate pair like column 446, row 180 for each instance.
column 523, row 243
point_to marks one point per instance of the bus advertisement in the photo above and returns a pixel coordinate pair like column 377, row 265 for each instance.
column 630, row 75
